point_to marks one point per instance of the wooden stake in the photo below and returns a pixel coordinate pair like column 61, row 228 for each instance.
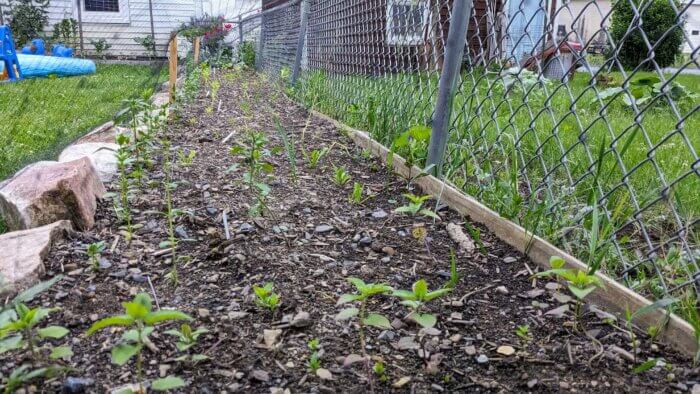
column 172, row 68
column 197, row 40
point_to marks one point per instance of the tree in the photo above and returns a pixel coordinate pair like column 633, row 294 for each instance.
column 28, row 20
column 659, row 23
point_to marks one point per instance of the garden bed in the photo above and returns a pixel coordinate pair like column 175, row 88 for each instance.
column 309, row 241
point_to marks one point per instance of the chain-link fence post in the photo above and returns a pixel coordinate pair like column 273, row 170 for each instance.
column 240, row 30
column 454, row 51
column 302, row 38
column 261, row 43
column 80, row 28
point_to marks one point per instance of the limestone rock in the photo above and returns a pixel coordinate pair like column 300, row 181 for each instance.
column 21, row 262
column 102, row 155
column 46, row 192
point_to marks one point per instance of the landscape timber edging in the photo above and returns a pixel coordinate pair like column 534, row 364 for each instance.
column 613, row 297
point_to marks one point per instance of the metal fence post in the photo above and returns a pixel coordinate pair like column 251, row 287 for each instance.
column 240, row 30
column 302, row 38
column 454, row 51
column 80, row 28
column 259, row 56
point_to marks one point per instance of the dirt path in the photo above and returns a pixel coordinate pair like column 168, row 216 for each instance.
column 309, row 241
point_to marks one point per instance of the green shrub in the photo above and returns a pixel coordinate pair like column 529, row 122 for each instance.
column 28, row 21
column 246, row 53
column 657, row 18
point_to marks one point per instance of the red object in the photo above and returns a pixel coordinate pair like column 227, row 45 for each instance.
column 551, row 50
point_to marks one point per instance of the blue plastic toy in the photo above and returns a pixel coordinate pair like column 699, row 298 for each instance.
column 61, row 51
column 37, row 47
column 8, row 55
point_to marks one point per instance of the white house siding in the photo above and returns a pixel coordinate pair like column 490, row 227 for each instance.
column 230, row 9
column 692, row 28
column 582, row 20
column 168, row 15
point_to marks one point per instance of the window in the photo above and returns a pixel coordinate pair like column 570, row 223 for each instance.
column 695, row 32
column 102, row 5
column 406, row 21
column 104, row 11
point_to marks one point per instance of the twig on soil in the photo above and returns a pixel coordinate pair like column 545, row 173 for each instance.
column 471, row 293
column 114, row 244
column 568, row 352
column 162, row 252
column 153, row 290
column 228, row 137
column 226, row 230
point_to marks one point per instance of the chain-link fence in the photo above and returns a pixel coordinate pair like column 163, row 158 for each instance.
column 576, row 119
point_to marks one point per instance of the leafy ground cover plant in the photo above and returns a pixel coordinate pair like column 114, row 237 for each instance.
column 141, row 320
column 187, row 338
column 314, row 362
column 314, row 157
column 579, row 283
column 364, row 292
column 356, row 194
column 94, row 252
column 340, row 176
column 416, row 298
column 266, row 298
column 19, row 330
column 255, row 154
column 415, row 206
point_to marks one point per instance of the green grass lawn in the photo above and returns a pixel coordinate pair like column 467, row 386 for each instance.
column 529, row 131
column 39, row 117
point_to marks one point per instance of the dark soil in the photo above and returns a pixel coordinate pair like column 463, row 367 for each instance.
column 309, row 268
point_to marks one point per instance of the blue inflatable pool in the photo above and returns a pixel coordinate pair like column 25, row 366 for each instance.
column 42, row 66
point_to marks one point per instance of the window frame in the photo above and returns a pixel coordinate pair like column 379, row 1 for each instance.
column 120, row 17
column 405, row 39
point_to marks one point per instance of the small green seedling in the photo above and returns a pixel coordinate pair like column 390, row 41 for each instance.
column 140, row 317
column 579, row 283
column 380, row 371
column 416, row 300
column 314, row 362
column 363, row 293
column 523, row 332
column 415, row 206
column 314, row 158
column 454, row 276
column 23, row 375
column 18, row 331
column 94, row 252
column 266, row 298
column 356, row 194
column 186, row 338
column 340, row 176
column 186, row 159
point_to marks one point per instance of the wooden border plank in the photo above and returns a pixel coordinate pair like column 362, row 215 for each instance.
column 614, row 297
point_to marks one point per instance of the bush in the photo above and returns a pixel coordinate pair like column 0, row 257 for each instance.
column 28, row 21
column 658, row 17
column 246, row 53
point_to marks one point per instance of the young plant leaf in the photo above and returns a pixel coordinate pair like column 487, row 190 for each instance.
column 425, row 320
column 64, row 352
column 168, row 383
column 377, row 320
column 123, row 352
column 55, row 332
column 347, row 313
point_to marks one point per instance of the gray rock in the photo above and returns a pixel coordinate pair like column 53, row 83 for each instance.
column 105, row 264
column 509, row 259
column 386, row 335
column 482, row 359
column 211, row 211
column 365, row 241
column 323, row 228
column 379, row 214
column 246, row 228
column 76, row 385
column 180, row 232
